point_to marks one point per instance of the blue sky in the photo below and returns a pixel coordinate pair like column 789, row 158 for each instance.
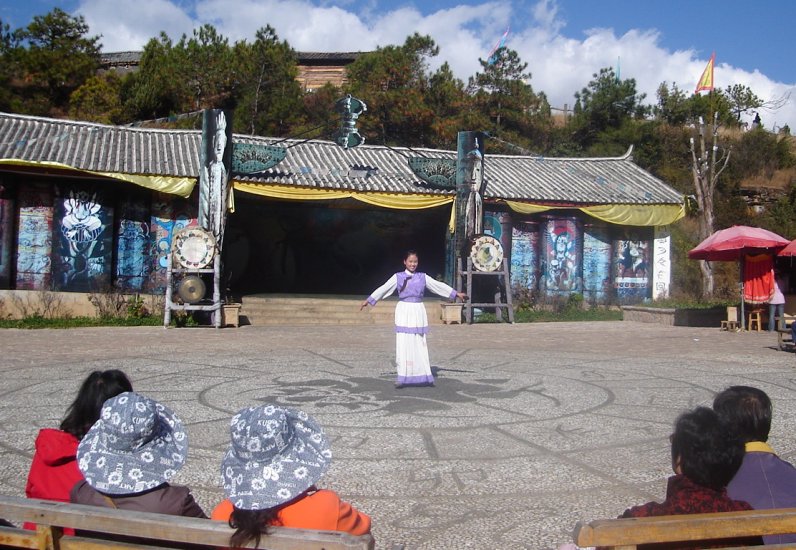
column 563, row 41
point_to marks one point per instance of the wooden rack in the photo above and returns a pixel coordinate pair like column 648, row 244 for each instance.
column 466, row 280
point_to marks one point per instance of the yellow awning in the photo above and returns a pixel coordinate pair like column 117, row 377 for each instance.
column 621, row 214
column 181, row 186
column 386, row 200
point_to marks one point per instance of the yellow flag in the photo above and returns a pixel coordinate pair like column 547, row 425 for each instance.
column 706, row 80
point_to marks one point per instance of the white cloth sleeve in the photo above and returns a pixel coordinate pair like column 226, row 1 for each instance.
column 438, row 287
column 384, row 290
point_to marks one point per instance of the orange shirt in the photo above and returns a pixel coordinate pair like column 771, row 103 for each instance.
column 321, row 509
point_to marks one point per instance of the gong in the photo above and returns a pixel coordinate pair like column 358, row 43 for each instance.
column 191, row 289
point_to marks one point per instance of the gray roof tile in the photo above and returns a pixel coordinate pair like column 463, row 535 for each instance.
column 323, row 164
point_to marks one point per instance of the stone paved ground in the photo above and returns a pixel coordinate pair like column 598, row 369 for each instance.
column 530, row 428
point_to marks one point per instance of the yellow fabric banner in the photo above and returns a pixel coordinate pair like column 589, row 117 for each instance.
column 622, row 214
column 164, row 184
column 386, row 200
column 637, row 214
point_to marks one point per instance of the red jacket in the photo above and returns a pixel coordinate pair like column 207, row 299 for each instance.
column 54, row 470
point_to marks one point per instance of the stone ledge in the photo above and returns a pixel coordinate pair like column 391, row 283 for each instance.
column 678, row 317
column 641, row 314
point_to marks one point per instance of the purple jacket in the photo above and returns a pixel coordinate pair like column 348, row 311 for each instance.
column 765, row 481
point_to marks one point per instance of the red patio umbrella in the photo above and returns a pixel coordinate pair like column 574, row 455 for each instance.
column 734, row 243
column 789, row 250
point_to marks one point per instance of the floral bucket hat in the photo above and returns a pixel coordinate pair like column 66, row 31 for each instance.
column 135, row 445
column 275, row 454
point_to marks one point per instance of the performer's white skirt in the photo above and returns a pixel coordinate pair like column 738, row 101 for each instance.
column 411, row 352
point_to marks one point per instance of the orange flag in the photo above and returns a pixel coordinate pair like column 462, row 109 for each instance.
column 706, row 80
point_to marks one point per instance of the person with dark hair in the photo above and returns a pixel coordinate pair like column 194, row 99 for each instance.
column 706, row 453
column 411, row 319
column 54, row 471
column 764, row 480
column 275, row 458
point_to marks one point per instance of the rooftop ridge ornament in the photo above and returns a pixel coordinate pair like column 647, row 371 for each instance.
column 437, row 172
column 350, row 107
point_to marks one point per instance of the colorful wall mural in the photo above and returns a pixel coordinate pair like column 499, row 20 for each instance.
column 82, row 239
column 632, row 268
column 561, row 255
column 34, row 237
column 597, row 249
column 133, row 244
column 168, row 215
column 524, row 255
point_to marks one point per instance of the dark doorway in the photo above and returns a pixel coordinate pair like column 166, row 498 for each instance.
column 326, row 247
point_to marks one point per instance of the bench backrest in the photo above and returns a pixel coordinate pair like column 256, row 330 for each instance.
column 51, row 517
column 627, row 533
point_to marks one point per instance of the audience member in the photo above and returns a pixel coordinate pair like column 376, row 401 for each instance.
column 128, row 456
column 54, row 471
column 764, row 480
column 276, row 456
column 705, row 456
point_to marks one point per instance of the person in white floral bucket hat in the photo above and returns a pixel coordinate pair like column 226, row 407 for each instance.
column 128, row 456
column 275, row 458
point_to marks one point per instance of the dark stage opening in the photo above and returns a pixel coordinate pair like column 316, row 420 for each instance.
column 326, row 247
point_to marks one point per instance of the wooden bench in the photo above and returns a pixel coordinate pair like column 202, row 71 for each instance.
column 165, row 531
column 628, row 533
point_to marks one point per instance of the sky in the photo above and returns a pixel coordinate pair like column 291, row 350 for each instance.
column 564, row 42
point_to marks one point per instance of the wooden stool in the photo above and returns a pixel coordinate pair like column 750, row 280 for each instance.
column 754, row 319
column 729, row 325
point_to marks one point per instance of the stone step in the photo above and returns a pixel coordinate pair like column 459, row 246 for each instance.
column 285, row 309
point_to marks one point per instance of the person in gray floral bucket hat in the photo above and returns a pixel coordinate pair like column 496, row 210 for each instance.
column 136, row 445
column 275, row 454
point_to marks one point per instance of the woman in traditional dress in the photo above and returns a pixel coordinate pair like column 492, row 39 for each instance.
column 411, row 321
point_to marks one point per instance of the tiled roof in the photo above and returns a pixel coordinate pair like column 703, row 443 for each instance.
column 325, row 165
column 325, row 57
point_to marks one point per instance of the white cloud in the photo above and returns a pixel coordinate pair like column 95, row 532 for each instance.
column 129, row 25
column 560, row 65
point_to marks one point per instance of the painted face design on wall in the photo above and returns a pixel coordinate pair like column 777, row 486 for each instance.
column 81, row 222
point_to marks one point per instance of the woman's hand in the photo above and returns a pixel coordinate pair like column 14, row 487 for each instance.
column 364, row 305
column 461, row 295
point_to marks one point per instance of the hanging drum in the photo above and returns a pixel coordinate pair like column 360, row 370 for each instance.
column 486, row 253
column 194, row 248
column 191, row 289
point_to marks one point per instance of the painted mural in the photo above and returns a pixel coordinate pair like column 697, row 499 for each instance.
column 6, row 236
column 133, row 246
column 168, row 214
column 632, row 268
column 561, row 249
column 597, row 251
column 82, row 237
column 34, row 237
column 498, row 225
column 524, row 255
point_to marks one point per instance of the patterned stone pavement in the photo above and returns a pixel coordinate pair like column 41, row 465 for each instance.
column 530, row 428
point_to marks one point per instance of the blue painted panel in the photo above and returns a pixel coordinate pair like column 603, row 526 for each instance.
column 524, row 255
column 597, row 250
column 6, row 238
column 34, row 238
column 133, row 245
